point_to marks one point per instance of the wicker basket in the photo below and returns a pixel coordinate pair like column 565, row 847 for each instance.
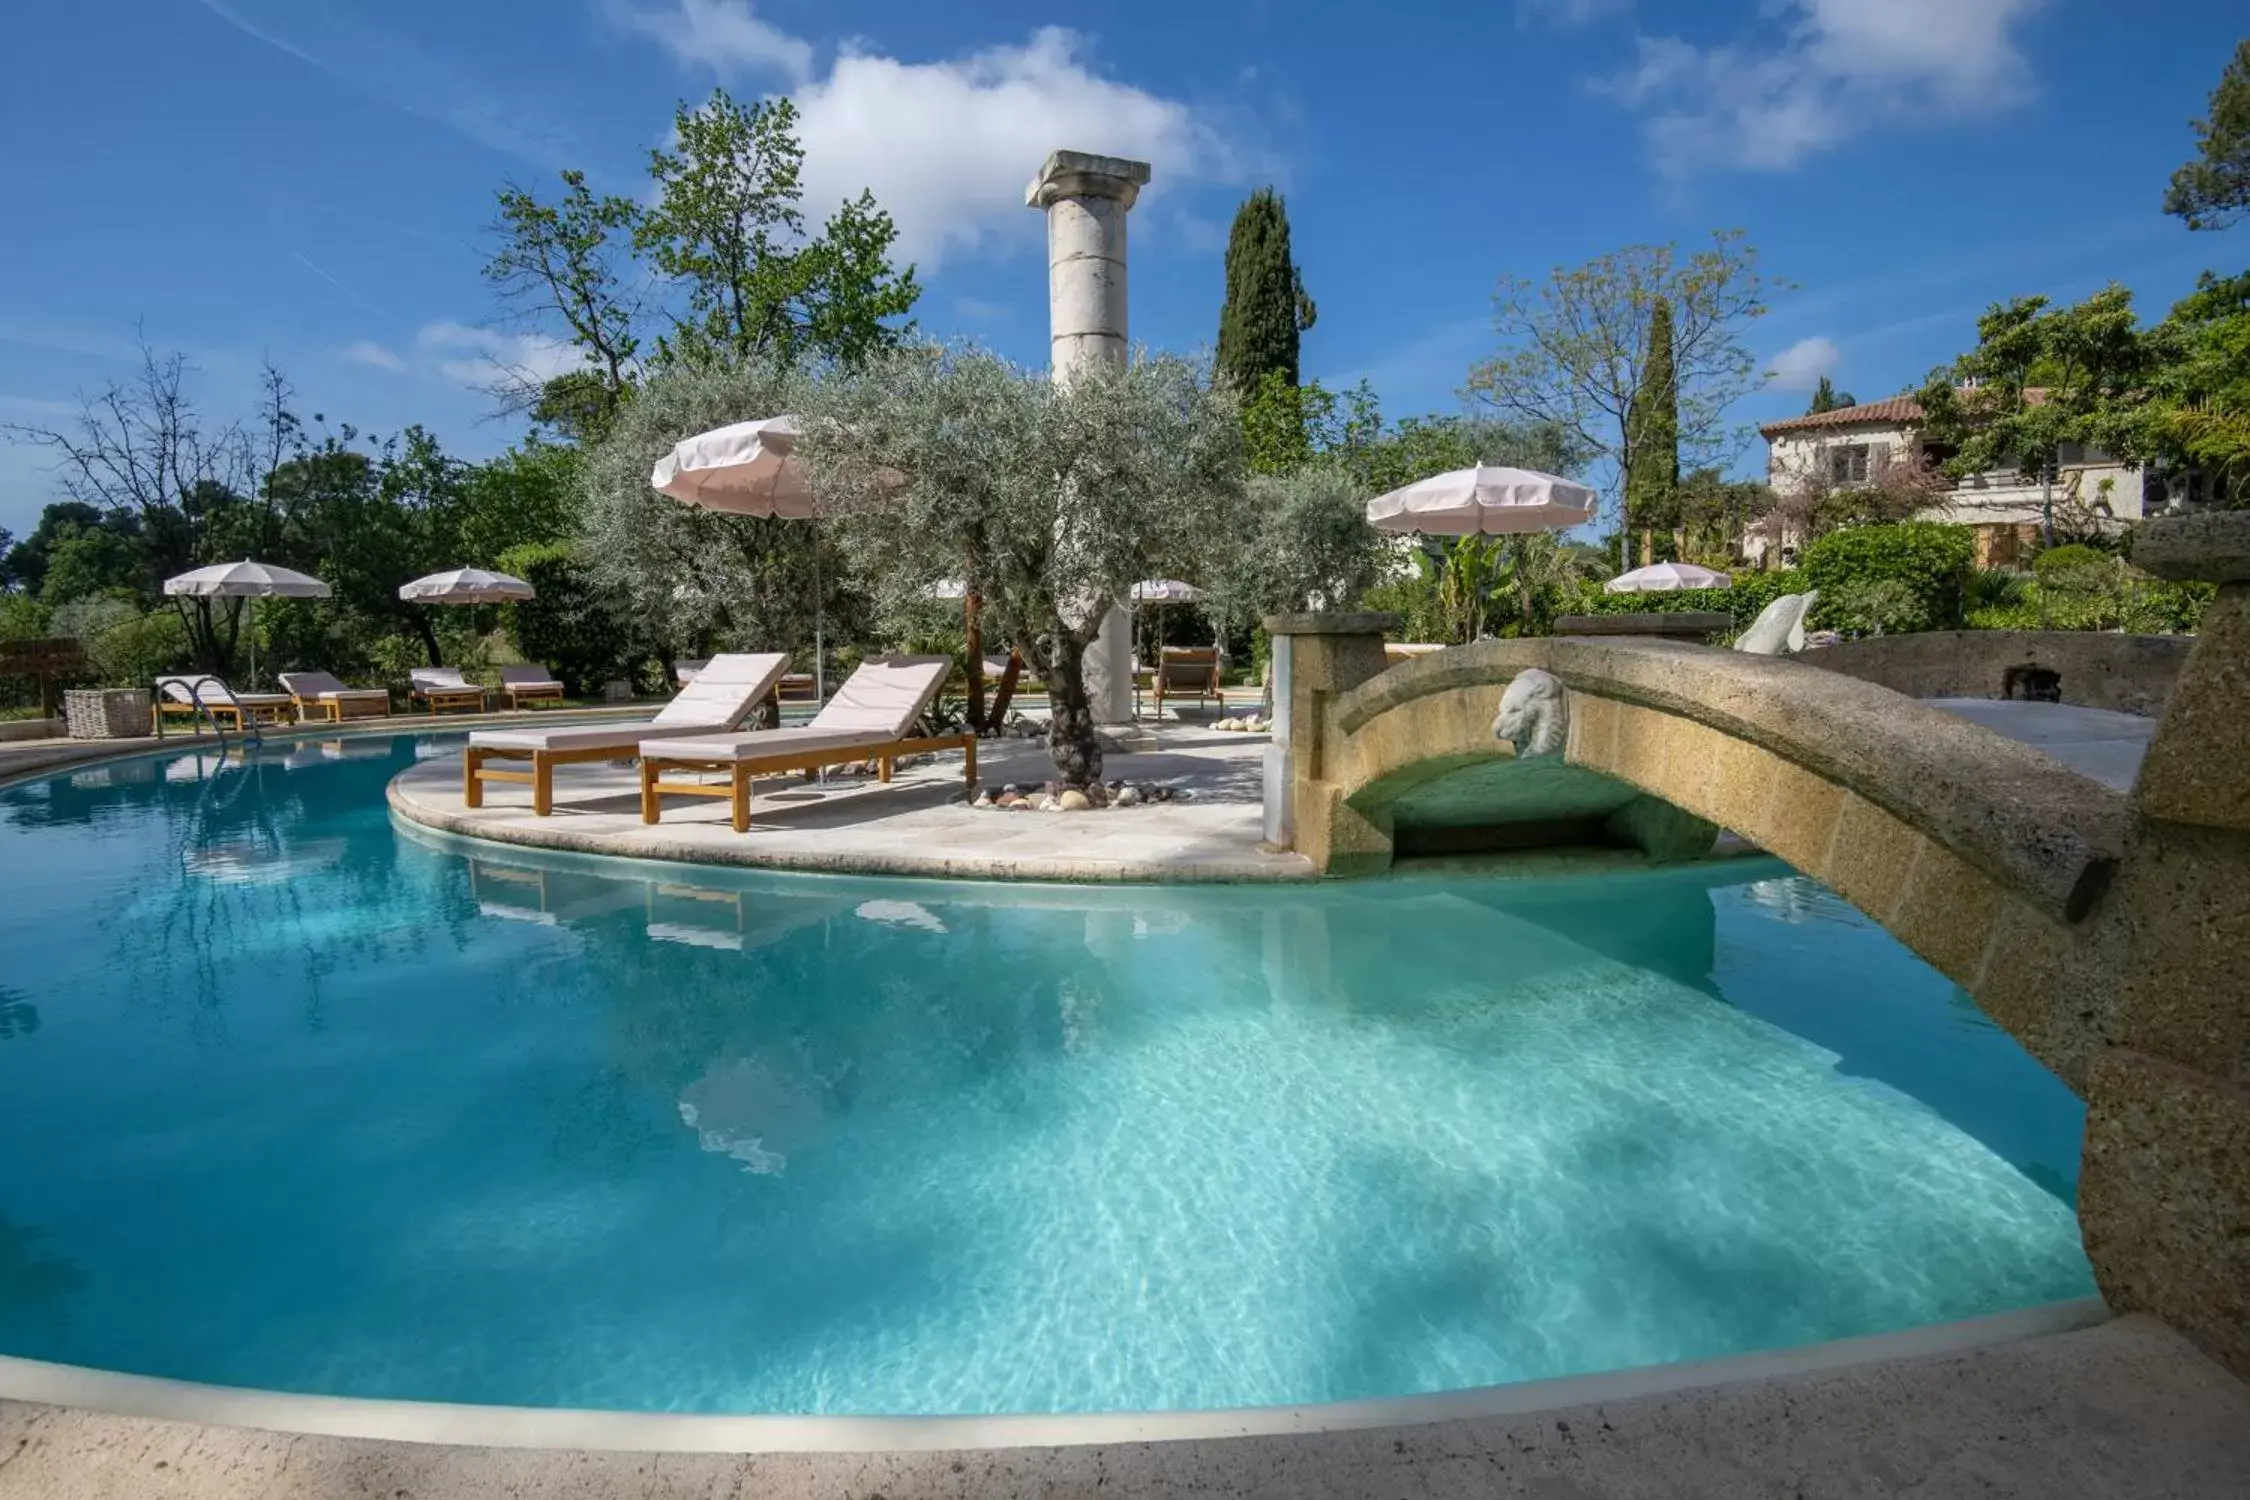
column 106, row 713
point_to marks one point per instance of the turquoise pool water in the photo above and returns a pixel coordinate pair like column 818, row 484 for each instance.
column 291, row 1099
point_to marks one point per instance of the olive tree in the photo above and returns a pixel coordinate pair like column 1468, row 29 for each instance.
column 1051, row 501
column 692, row 578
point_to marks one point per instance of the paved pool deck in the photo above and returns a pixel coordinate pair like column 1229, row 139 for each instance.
column 2125, row 1410
column 915, row 825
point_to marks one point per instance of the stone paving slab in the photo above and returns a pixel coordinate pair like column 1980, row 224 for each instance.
column 2097, row 742
column 912, row 826
column 2127, row 1410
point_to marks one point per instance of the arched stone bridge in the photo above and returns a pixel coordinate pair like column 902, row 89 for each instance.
column 1979, row 853
column 2108, row 932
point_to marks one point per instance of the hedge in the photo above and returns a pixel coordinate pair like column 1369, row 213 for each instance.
column 1928, row 557
column 1749, row 594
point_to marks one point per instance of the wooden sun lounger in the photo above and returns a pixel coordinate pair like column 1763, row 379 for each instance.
column 177, row 699
column 323, row 696
column 441, row 689
column 870, row 718
column 716, row 702
column 528, row 684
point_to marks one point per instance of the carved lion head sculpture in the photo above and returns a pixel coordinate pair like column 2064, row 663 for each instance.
column 1534, row 716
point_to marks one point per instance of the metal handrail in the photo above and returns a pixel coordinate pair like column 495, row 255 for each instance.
column 242, row 716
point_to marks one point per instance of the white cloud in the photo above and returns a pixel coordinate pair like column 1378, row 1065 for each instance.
column 978, row 307
column 1803, row 365
column 724, row 37
column 484, row 357
column 1827, row 70
column 948, row 146
column 368, row 352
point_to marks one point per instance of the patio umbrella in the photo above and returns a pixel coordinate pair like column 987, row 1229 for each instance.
column 246, row 580
column 748, row 469
column 1663, row 578
column 951, row 589
column 1484, row 501
column 466, row 586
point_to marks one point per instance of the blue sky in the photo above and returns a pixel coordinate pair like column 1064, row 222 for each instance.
column 308, row 180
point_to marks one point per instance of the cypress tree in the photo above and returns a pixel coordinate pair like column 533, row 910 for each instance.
column 1652, row 468
column 1266, row 306
column 1826, row 397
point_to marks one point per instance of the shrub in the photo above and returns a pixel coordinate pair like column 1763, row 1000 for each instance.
column 1876, row 606
column 1931, row 559
column 135, row 652
column 2061, row 562
column 573, row 626
column 1749, row 594
column 23, row 618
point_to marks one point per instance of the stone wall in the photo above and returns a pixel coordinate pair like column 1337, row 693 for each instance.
column 2130, row 674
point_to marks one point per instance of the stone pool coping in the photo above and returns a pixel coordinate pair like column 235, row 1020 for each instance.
column 2124, row 1407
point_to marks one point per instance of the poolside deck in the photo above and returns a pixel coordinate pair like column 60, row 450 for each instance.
column 915, row 825
column 2127, row 1410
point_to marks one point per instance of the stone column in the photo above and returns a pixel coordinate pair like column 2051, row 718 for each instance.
column 2164, row 1190
column 1086, row 198
column 1316, row 657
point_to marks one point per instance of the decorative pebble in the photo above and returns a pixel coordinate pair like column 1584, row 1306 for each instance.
column 1127, row 797
column 1073, row 800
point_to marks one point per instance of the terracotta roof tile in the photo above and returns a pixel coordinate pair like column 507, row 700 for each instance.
column 1896, row 410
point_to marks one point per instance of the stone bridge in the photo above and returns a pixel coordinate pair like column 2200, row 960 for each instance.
column 2108, row 932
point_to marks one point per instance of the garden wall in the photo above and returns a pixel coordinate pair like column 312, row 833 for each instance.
column 2130, row 674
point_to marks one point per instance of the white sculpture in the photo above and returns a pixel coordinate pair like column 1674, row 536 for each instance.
column 1779, row 629
column 1534, row 716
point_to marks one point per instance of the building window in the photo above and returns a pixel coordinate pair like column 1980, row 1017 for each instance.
column 1847, row 463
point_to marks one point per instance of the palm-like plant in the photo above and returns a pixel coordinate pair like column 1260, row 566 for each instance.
column 1539, row 566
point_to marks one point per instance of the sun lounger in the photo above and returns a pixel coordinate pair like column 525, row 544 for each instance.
column 529, row 684
column 717, row 701
column 184, row 697
column 320, row 695
column 872, row 717
column 442, row 688
column 1188, row 672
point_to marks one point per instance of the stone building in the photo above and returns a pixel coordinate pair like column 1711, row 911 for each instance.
column 1853, row 445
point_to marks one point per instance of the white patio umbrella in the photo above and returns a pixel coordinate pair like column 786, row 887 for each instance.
column 246, row 580
column 747, row 469
column 466, row 586
column 953, row 589
column 1663, row 578
column 1166, row 591
column 1484, row 501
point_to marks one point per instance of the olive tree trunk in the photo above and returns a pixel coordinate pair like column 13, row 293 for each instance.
column 1071, row 740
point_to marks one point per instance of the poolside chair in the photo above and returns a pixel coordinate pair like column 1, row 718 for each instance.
column 718, row 700
column 320, row 695
column 442, row 688
column 1188, row 672
column 185, row 697
column 529, row 684
column 871, row 717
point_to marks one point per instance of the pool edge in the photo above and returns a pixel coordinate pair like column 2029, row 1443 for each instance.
column 157, row 1398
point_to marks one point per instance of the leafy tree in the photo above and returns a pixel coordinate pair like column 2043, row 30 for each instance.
column 1053, row 499
column 727, row 228
column 1304, row 543
column 1266, row 307
column 2213, row 190
column 693, row 579
column 2038, row 379
column 2198, row 415
column 1652, row 475
column 573, row 260
column 1826, row 397
column 1576, row 347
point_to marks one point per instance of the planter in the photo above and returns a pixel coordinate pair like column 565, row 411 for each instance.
column 106, row 713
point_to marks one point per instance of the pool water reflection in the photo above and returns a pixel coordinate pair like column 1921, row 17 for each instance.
column 298, row 1100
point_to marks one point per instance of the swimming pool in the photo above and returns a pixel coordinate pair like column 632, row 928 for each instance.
column 292, row 1098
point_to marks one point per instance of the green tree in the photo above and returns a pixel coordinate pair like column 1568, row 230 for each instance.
column 1652, row 474
column 572, row 260
column 2213, row 190
column 1576, row 346
column 1826, row 397
column 1266, row 307
column 1054, row 500
column 573, row 625
column 2198, row 413
column 728, row 230
column 2040, row 378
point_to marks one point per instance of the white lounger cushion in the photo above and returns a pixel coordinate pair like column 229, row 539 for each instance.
column 324, row 685
column 527, row 676
column 724, row 693
column 878, row 704
column 441, row 678
column 211, row 690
